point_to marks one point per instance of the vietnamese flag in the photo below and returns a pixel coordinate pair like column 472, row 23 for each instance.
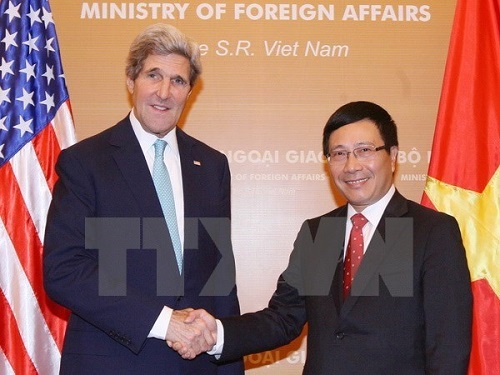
column 464, row 173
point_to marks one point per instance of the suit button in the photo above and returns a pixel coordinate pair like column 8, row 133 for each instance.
column 340, row 335
column 179, row 298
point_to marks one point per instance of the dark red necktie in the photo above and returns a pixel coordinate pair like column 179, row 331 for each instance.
column 354, row 254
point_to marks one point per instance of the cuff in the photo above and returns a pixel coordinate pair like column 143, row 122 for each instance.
column 219, row 345
column 159, row 330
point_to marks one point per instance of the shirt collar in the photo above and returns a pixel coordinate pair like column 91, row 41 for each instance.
column 146, row 140
column 374, row 212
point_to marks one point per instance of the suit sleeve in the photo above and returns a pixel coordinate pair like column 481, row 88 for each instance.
column 227, row 305
column 279, row 323
column 447, row 300
column 71, row 270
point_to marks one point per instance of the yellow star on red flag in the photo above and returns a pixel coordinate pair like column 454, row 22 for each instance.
column 478, row 215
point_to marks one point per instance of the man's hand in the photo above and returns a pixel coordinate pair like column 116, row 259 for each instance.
column 191, row 332
column 197, row 320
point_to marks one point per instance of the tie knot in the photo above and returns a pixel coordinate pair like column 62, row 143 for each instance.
column 358, row 220
column 159, row 147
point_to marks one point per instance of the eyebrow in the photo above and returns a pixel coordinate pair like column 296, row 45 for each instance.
column 158, row 70
column 357, row 144
column 154, row 69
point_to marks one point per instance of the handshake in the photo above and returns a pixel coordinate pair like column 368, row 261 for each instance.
column 191, row 332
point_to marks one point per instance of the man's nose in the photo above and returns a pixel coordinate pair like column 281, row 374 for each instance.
column 352, row 163
column 164, row 89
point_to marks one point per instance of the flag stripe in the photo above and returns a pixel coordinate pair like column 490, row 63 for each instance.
column 47, row 149
column 19, row 226
column 43, row 144
column 12, row 344
column 65, row 134
column 5, row 367
column 21, row 230
column 33, row 186
column 32, row 327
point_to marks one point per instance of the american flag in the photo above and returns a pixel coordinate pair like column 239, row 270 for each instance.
column 35, row 124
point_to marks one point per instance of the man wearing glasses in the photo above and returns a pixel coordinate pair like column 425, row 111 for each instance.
column 382, row 281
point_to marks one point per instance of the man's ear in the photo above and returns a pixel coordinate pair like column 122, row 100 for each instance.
column 130, row 85
column 394, row 152
column 394, row 156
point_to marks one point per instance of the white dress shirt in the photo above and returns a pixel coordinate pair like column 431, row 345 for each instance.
column 373, row 214
column 172, row 160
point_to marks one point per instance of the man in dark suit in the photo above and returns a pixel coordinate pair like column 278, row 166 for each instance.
column 113, row 258
column 406, row 310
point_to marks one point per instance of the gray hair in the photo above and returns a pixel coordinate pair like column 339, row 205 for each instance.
column 162, row 39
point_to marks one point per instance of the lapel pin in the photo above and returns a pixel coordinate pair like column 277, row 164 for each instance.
column 196, row 162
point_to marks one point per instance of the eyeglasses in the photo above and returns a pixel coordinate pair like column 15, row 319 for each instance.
column 360, row 153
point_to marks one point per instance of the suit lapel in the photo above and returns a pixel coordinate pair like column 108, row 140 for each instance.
column 336, row 289
column 191, row 184
column 190, row 166
column 132, row 164
column 375, row 254
column 337, row 284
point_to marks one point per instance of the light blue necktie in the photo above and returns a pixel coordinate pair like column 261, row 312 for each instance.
column 163, row 187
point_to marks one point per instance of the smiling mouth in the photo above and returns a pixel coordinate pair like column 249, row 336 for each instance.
column 161, row 107
column 356, row 182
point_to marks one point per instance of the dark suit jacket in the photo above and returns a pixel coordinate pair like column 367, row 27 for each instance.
column 106, row 176
column 410, row 308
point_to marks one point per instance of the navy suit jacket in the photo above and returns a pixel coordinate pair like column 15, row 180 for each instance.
column 409, row 311
column 106, row 176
